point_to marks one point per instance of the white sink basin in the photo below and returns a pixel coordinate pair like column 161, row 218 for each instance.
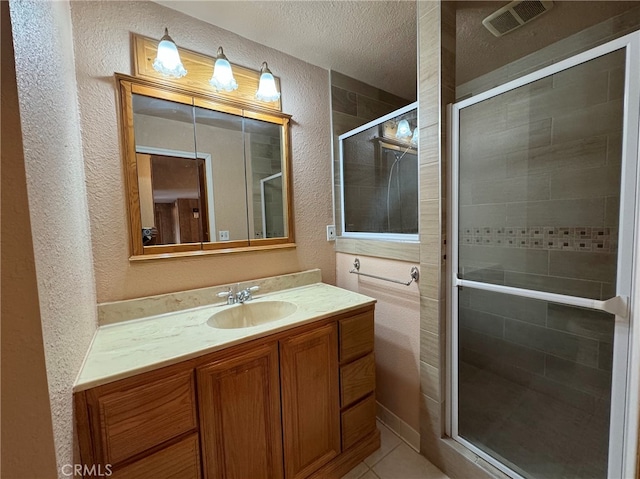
column 251, row 314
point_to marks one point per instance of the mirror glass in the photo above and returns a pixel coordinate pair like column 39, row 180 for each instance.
column 206, row 175
column 264, row 179
column 170, row 174
column 220, row 141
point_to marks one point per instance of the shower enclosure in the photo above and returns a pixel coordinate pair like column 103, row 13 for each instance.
column 379, row 177
column 544, row 172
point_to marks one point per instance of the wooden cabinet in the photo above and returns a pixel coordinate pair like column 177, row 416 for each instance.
column 143, row 418
column 356, row 336
column 357, row 378
column 240, row 428
column 296, row 404
column 310, row 401
column 178, row 461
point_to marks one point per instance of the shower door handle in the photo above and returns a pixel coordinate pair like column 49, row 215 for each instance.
column 618, row 305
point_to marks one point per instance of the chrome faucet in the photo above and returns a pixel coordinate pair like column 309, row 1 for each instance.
column 245, row 294
column 240, row 297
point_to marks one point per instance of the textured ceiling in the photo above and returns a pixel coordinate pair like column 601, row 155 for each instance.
column 372, row 41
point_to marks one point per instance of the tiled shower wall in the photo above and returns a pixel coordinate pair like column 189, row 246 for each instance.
column 368, row 169
column 436, row 25
column 541, row 210
column 549, row 215
column 354, row 103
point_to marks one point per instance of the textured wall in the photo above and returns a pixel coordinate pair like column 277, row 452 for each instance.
column 397, row 343
column 102, row 47
column 57, row 199
column 27, row 433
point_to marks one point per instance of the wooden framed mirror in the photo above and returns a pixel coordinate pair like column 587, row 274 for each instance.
column 203, row 175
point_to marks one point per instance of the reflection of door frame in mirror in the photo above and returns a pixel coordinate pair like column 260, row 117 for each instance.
column 263, row 205
column 127, row 87
column 211, row 216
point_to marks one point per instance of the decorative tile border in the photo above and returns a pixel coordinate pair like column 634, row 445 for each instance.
column 599, row 240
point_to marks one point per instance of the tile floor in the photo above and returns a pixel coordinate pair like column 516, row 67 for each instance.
column 394, row 460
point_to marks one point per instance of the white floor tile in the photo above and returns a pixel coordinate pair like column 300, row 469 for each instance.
column 404, row 463
column 370, row 475
column 388, row 441
column 357, row 472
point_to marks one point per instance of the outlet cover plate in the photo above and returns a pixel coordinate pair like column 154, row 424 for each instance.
column 224, row 235
column 331, row 233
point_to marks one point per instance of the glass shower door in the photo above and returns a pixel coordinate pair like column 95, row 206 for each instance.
column 544, row 173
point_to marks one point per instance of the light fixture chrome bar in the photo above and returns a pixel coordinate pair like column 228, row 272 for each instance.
column 413, row 273
column 618, row 305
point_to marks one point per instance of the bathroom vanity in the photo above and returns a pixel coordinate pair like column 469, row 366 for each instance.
column 293, row 398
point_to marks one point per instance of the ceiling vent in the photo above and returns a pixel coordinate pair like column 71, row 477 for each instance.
column 514, row 15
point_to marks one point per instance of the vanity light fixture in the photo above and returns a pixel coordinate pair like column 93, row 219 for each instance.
column 167, row 60
column 404, row 130
column 222, row 78
column 267, row 90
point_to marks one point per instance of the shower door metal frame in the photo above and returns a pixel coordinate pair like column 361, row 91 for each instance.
column 623, row 429
column 408, row 237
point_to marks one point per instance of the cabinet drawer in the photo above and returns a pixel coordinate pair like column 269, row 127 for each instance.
column 357, row 379
column 179, row 461
column 358, row 421
column 356, row 336
column 133, row 420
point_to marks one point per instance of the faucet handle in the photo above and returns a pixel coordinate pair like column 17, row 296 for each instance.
column 253, row 289
column 230, row 295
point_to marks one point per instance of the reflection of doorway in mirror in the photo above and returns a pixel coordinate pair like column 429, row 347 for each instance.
column 173, row 188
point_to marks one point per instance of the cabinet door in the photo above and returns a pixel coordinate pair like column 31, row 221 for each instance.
column 240, row 416
column 139, row 414
column 178, row 461
column 310, row 400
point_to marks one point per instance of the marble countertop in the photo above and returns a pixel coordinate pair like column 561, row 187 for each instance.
column 131, row 347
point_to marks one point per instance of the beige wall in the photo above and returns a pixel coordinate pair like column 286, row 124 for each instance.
column 27, row 434
column 57, row 200
column 101, row 33
column 397, row 341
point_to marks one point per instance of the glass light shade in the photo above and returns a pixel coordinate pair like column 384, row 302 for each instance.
column 267, row 90
column 167, row 59
column 404, row 130
column 222, row 78
column 414, row 138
